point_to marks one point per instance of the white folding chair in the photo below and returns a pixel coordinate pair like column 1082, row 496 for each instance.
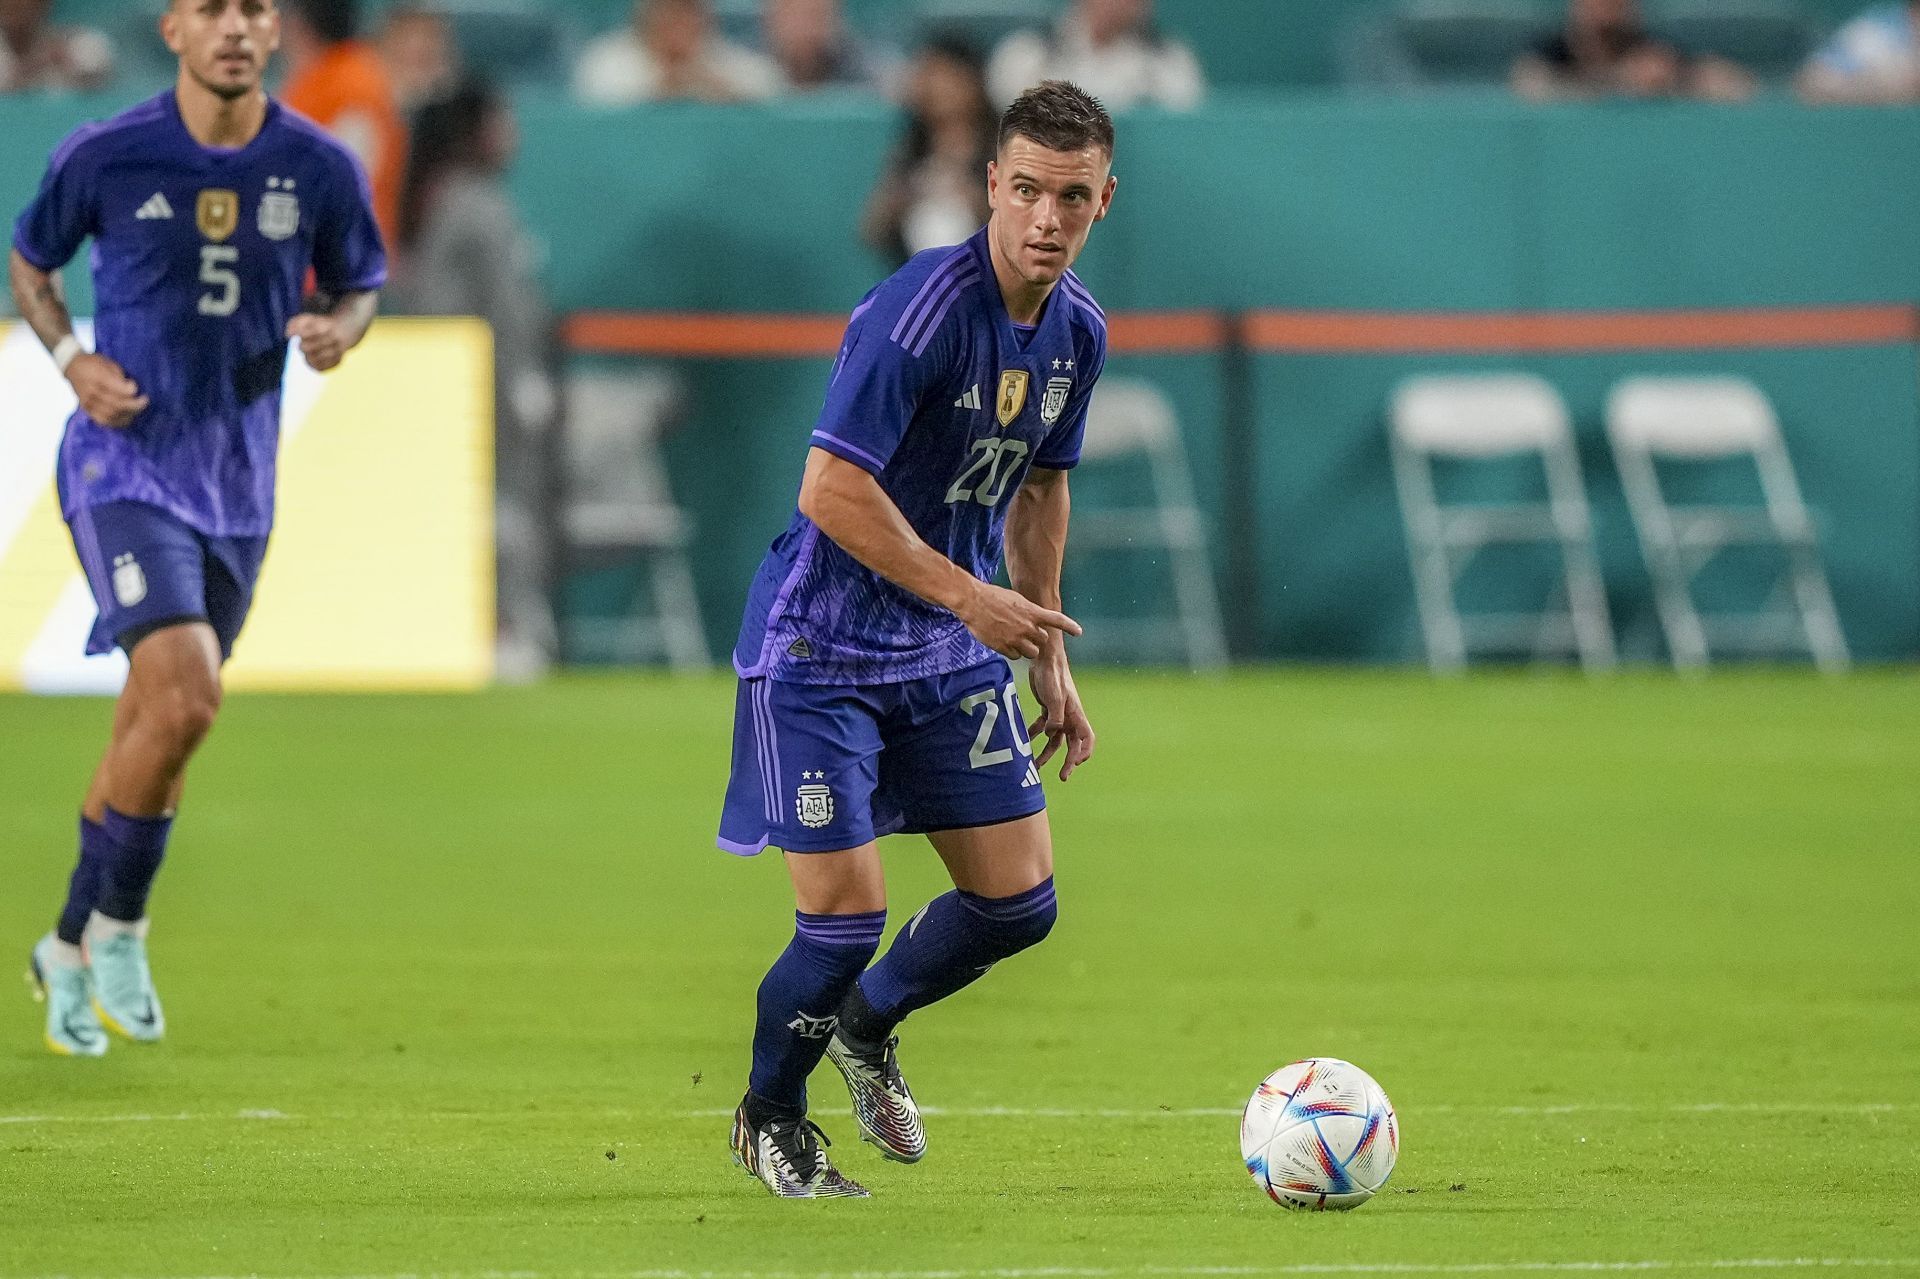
column 1488, row 417
column 1131, row 419
column 618, row 505
column 1713, row 419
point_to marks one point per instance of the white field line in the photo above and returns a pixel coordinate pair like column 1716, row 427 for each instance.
column 1195, row 1272
column 1868, row 1109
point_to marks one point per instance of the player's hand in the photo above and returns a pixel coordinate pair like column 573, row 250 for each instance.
column 320, row 340
column 107, row 394
column 1011, row 624
column 1062, row 719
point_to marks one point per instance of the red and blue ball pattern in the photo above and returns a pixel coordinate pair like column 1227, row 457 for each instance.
column 1320, row 1134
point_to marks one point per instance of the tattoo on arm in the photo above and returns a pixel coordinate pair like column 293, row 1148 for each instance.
column 38, row 296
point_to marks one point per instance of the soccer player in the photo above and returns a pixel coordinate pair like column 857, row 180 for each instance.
column 874, row 695
column 207, row 206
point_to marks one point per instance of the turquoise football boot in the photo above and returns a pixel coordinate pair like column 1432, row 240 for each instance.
column 123, row 991
column 72, row 1028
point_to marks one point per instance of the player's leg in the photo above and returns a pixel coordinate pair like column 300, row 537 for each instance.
column 805, row 760
column 841, row 912
column 1002, row 903
column 177, row 700
column 171, row 700
column 174, row 600
column 966, row 777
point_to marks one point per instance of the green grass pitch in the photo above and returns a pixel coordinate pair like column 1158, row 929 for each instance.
column 458, row 986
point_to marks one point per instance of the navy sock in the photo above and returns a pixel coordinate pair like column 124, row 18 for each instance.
column 89, row 877
column 139, row 845
column 799, row 1000
column 944, row 948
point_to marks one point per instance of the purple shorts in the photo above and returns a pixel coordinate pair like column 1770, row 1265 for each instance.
column 818, row 768
column 150, row 570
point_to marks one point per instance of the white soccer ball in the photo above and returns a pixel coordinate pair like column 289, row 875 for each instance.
column 1320, row 1134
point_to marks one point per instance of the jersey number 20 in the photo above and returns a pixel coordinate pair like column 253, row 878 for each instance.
column 990, row 701
column 990, row 466
column 215, row 263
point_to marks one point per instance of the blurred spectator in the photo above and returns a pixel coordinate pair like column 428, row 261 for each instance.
column 37, row 55
column 464, row 252
column 416, row 44
column 1605, row 50
column 1874, row 58
column 934, row 189
column 671, row 50
column 810, row 41
column 1111, row 49
column 338, row 81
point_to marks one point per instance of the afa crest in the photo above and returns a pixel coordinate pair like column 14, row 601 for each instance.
column 1013, row 395
column 217, row 213
column 279, row 215
column 1056, row 399
column 813, row 804
column 129, row 581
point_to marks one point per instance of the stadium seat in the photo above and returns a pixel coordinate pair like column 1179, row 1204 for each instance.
column 1442, row 42
column 1484, row 418
column 1130, row 419
column 618, row 507
column 1704, row 420
column 1769, row 38
column 983, row 23
column 513, row 42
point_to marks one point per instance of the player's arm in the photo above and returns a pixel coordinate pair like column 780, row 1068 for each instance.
column 849, row 506
column 1036, row 546
column 326, row 336
column 106, row 393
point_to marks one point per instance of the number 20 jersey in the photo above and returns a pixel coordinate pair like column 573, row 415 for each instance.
column 200, row 255
column 948, row 404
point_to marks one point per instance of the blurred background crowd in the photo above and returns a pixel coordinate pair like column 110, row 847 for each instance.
column 426, row 93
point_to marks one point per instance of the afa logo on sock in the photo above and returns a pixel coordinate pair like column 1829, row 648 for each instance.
column 807, row 1026
column 813, row 802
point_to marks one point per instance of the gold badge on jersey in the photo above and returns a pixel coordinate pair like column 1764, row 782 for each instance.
column 1013, row 395
column 218, row 213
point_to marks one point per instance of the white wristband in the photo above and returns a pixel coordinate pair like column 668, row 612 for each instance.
column 65, row 351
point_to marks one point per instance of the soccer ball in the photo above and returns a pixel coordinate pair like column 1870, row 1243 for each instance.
column 1319, row 1134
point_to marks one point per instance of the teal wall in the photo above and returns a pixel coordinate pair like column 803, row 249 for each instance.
column 1444, row 203
column 1241, row 42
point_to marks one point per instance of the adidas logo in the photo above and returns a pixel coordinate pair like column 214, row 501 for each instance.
column 1032, row 778
column 971, row 400
column 800, row 648
column 156, row 207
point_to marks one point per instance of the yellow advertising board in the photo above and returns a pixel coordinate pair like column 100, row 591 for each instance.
column 380, row 571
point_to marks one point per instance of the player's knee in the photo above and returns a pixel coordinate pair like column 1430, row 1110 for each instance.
column 186, row 714
column 1022, row 920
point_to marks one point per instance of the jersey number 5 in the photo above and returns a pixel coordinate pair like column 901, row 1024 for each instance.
column 998, row 458
column 215, row 263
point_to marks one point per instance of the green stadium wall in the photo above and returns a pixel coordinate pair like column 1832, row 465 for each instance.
column 1446, row 203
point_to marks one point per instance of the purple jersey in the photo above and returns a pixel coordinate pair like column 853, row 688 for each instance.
column 947, row 403
column 200, row 257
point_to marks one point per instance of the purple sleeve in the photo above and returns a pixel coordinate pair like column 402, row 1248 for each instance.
column 348, row 256
column 52, row 228
column 1061, row 449
column 876, row 388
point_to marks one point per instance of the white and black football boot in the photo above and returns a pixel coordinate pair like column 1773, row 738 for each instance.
column 882, row 1102
column 788, row 1157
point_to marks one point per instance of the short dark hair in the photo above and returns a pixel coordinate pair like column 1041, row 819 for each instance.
column 332, row 20
column 1060, row 117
